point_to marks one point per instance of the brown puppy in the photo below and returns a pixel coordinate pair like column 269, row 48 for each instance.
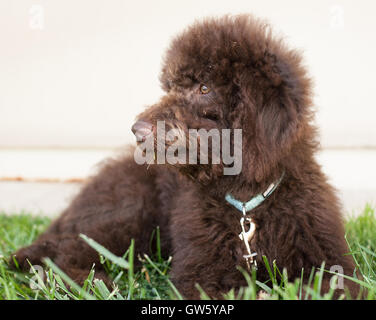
column 226, row 73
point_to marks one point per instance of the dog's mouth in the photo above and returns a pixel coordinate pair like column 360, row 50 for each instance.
column 175, row 146
column 155, row 144
column 142, row 131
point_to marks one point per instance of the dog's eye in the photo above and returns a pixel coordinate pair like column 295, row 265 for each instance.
column 204, row 89
column 210, row 115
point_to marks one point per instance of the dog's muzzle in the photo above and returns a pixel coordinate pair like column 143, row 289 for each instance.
column 142, row 130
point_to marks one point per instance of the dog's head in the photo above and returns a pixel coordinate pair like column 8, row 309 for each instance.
column 232, row 73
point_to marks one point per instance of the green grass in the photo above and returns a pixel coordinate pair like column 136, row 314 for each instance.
column 151, row 281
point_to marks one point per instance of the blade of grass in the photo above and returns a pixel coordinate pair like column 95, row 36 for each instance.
column 130, row 270
column 104, row 252
column 67, row 279
column 177, row 293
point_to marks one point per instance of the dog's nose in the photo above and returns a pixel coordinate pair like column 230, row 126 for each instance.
column 142, row 129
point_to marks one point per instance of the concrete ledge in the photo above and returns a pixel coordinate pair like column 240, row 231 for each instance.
column 350, row 171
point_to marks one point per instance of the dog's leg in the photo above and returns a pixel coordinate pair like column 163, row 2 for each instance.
column 214, row 272
column 118, row 204
column 206, row 253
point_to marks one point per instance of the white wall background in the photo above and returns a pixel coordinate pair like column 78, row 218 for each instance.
column 75, row 73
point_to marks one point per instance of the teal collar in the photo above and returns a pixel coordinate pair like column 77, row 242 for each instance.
column 256, row 200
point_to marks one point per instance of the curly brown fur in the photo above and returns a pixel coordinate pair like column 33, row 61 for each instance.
column 259, row 85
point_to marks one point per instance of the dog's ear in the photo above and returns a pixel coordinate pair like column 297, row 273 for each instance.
column 276, row 111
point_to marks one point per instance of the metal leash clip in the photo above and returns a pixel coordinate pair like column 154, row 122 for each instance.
column 246, row 237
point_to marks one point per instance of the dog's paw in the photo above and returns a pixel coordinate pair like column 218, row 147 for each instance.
column 31, row 255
